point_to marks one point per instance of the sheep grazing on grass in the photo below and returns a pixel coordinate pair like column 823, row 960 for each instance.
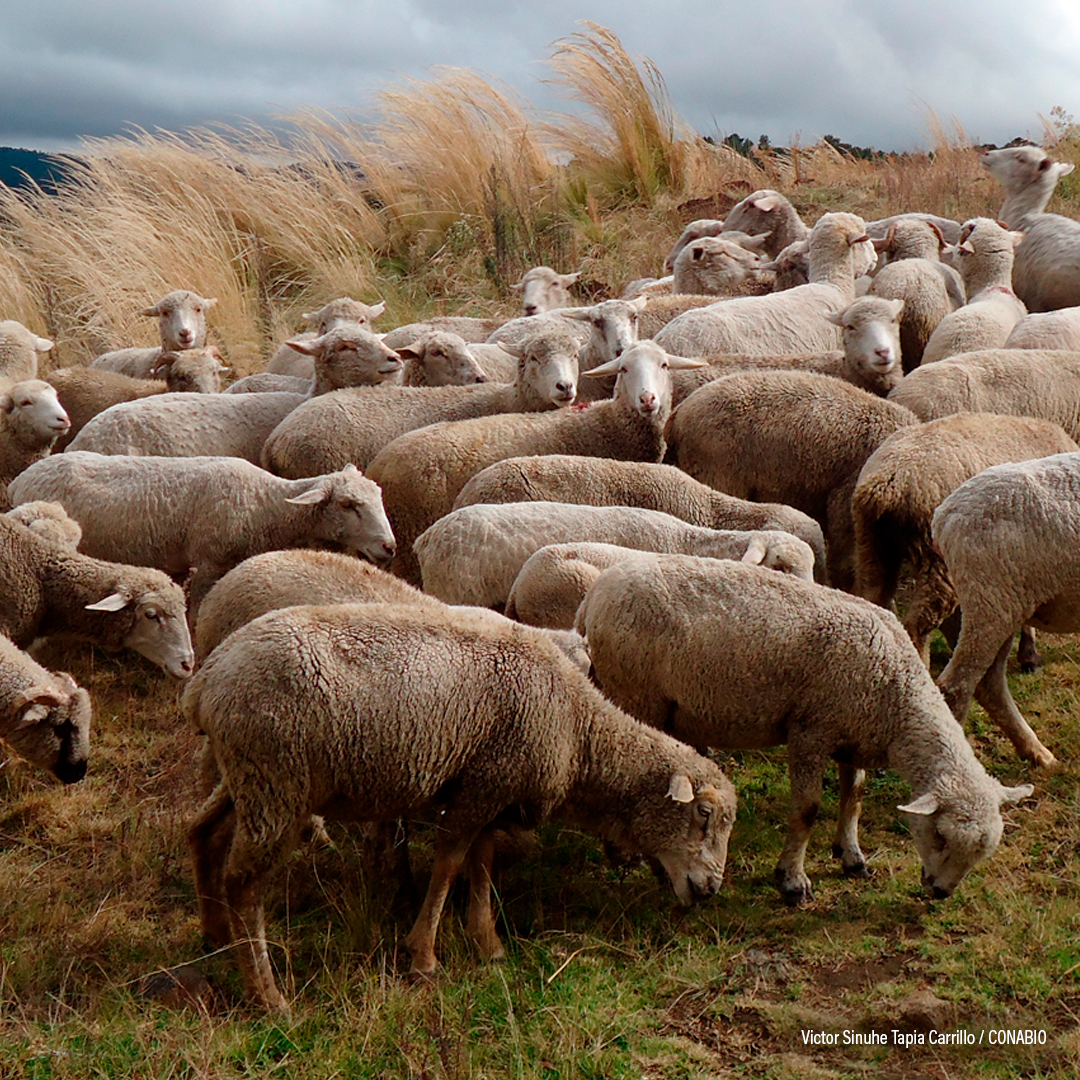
column 473, row 555
column 206, row 514
column 595, row 481
column 20, row 350
column 181, row 317
column 46, row 591
column 791, row 321
column 542, row 290
column 726, row 655
column 328, row 432
column 31, row 420
column 49, row 521
column 789, row 437
column 422, row 471
column 905, row 480
column 993, row 309
column 1010, row 537
column 288, row 360
column 310, row 711
column 715, row 265
column 44, row 716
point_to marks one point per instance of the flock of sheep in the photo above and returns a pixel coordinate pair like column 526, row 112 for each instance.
column 596, row 541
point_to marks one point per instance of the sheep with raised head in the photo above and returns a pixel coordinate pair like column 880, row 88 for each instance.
column 726, row 655
column 542, row 290
column 439, row 358
column 1010, row 537
column 354, row 425
column 288, row 360
column 473, row 555
column 422, row 471
column 205, row 514
column 20, row 350
column 31, row 420
column 309, row 710
column 47, row 591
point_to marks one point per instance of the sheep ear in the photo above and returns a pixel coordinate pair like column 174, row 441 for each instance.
column 685, row 363
column 756, row 243
column 755, row 551
column 302, row 346
column 1017, row 238
column 768, row 202
column 610, row 368
column 639, row 303
column 939, row 234
column 925, row 804
column 569, row 279
column 70, row 685
column 835, row 317
column 882, row 244
column 411, row 352
column 580, row 313
column 115, row 602
column 310, row 497
column 150, row 312
column 349, row 469
column 967, row 246
column 1014, row 794
column 1064, row 168
column 897, row 306
column 42, row 344
column 209, row 302
column 518, row 287
column 7, row 403
column 378, row 309
column 35, row 695
column 681, row 790
column 863, row 239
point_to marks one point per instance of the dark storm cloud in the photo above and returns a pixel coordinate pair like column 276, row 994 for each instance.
column 857, row 70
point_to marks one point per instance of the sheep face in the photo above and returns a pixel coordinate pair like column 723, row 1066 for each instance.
column 544, row 290
column 955, row 831
column 181, row 317
column 713, row 265
column 50, row 726
column 157, row 625
column 34, row 412
column 871, row 329
column 644, row 378
column 548, row 367
column 441, row 359
column 349, row 355
column 351, row 514
column 1019, row 167
column 193, row 371
column 694, row 231
column 345, row 310
column 614, row 326
column 688, row 832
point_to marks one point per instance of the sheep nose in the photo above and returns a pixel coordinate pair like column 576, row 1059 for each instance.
column 187, row 666
column 390, row 550
column 186, row 337
column 564, row 388
column 885, row 353
column 938, row 893
column 648, row 401
column 530, row 309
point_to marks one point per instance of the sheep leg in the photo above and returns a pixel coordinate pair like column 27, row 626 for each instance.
column 481, row 924
column 791, row 879
column 992, row 693
column 450, row 854
column 846, row 845
column 209, row 840
column 878, row 559
column 933, row 603
column 1027, row 653
column 839, row 529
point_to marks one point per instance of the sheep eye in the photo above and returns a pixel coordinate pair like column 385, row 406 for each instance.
column 704, row 811
column 152, row 613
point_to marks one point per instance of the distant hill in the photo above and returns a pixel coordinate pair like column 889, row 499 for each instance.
column 46, row 170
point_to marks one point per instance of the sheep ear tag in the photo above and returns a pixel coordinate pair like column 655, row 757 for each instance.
column 680, row 789
column 925, row 804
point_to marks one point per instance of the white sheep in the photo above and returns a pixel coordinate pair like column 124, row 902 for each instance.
column 310, row 710
column 349, row 355
column 205, row 514
column 767, row 211
column 266, row 382
column 19, row 352
column 946, row 228
column 1047, row 330
column 287, row 360
column 31, row 420
column 694, row 230
column 473, row 331
column 790, row 321
column 473, row 555
column 439, row 358
column 44, row 716
column 1010, row 537
column 715, row 265
column 726, row 655
column 542, row 290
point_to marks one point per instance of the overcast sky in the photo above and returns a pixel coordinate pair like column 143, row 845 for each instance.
column 858, row 70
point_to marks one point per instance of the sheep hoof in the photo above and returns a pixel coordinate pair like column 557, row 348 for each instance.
column 859, row 870
column 1030, row 666
column 793, row 893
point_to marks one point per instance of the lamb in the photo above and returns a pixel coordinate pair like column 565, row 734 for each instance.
column 473, row 555
column 790, row 321
column 986, row 260
column 345, row 741
column 727, row 655
column 542, row 289
column 422, row 471
column 206, row 514
column 84, row 392
column 595, row 481
column 905, row 480
column 19, row 352
column 767, row 211
column 870, row 358
column 31, row 420
column 50, row 522
column 790, row 437
column 471, row 330
column 1010, row 537
column 1047, row 330
column 188, row 425
column 46, row 591
column 181, row 316
column 1039, row 383
column 286, row 360
column 44, row 717
column 354, row 425
column 1046, row 274
column 715, row 265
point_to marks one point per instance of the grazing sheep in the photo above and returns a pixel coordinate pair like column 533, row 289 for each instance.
column 422, row 471
column 471, row 330
column 985, row 322
column 790, row 321
column 905, row 480
column 767, row 211
column 84, row 392
column 544, row 290
column 790, row 437
column 1047, row 330
column 31, row 420
column 1046, row 274
column 1014, row 382
column 354, row 425
column 46, row 591
column 725, row 655
column 310, row 711
column 44, row 716
column 595, row 481
column 288, row 360
column 439, row 358
column 715, row 265
column 472, row 555
column 1010, row 537
column 19, row 352
column 50, row 522
column 181, row 317
column 206, row 514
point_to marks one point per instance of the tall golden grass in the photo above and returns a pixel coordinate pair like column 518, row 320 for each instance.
column 439, row 203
